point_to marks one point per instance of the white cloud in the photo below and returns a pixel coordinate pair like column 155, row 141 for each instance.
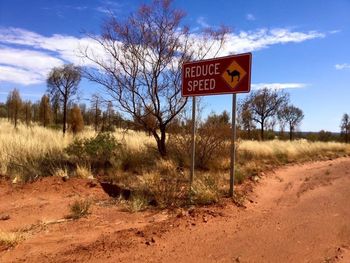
column 202, row 22
column 336, row 31
column 279, row 85
column 28, row 59
column 20, row 76
column 109, row 7
column 342, row 66
column 250, row 17
column 248, row 41
column 30, row 55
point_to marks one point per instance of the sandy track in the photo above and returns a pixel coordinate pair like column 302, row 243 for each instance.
column 296, row 214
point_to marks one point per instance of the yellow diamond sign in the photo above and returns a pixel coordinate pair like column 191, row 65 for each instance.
column 233, row 74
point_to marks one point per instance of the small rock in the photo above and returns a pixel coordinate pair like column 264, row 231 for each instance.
column 148, row 242
column 205, row 219
column 192, row 212
column 4, row 217
column 65, row 178
column 255, row 178
column 181, row 213
column 92, row 184
column 140, row 233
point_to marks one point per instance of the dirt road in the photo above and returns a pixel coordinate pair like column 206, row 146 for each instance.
column 298, row 213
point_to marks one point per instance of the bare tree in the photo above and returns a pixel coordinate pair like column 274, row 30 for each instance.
column 62, row 83
column 96, row 102
column 345, row 127
column 141, row 67
column 292, row 116
column 265, row 104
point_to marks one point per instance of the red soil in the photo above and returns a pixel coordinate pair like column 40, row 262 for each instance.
column 298, row 213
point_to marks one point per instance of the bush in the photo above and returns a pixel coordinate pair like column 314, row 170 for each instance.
column 205, row 190
column 212, row 139
column 136, row 161
column 137, row 203
column 166, row 186
column 79, row 209
column 98, row 152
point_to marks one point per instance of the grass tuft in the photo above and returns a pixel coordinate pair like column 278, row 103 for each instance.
column 10, row 239
column 79, row 209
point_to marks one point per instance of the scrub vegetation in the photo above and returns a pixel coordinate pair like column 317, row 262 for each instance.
column 130, row 160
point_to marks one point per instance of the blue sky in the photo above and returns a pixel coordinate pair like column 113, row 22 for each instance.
column 300, row 46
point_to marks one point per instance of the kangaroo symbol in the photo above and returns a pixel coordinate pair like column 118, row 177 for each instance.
column 233, row 74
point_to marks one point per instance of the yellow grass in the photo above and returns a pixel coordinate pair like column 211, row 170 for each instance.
column 10, row 239
column 291, row 149
column 23, row 144
column 28, row 143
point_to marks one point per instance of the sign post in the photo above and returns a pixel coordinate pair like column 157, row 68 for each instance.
column 225, row 75
column 193, row 140
column 233, row 144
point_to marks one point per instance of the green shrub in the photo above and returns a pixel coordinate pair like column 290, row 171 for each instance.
column 98, row 152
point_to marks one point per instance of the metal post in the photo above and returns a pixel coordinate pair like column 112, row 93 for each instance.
column 233, row 145
column 193, row 140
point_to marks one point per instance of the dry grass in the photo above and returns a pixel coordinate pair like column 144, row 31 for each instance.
column 25, row 146
column 298, row 150
column 84, row 172
column 10, row 239
column 165, row 183
column 79, row 209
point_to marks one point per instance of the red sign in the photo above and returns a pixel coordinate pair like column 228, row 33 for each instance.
column 223, row 75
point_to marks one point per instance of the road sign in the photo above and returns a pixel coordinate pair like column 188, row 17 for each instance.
column 225, row 75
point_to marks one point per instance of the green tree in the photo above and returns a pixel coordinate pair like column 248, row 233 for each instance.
column 264, row 105
column 345, row 127
column 292, row 116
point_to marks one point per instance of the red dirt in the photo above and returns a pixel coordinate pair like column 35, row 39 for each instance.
column 298, row 213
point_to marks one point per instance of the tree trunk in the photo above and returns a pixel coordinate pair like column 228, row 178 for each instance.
column 15, row 119
column 161, row 141
column 290, row 133
column 64, row 116
column 262, row 131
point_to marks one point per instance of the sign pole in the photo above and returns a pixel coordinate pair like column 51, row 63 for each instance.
column 233, row 145
column 193, row 140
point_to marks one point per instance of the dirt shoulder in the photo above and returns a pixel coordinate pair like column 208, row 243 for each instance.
column 298, row 213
